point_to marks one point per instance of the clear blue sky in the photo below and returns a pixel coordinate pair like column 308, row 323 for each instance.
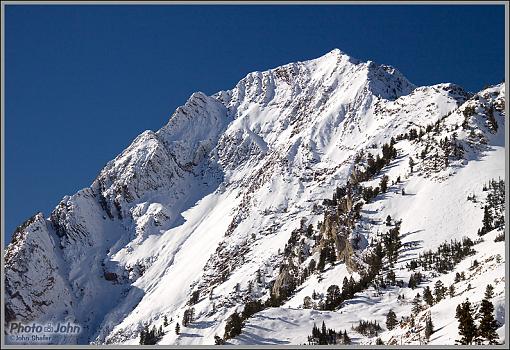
column 82, row 81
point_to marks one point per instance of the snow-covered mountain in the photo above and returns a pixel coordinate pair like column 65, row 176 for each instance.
column 232, row 199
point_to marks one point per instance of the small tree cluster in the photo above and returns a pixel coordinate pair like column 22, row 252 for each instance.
column 375, row 165
column 450, row 148
column 415, row 279
column 194, row 297
column 459, row 277
column 370, row 193
column 151, row 337
column 251, row 308
column 494, row 210
column 350, row 287
column 487, row 329
column 187, row 316
column 500, row 237
column 445, row 257
column 235, row 321
column 412, row 134
column 368, row 328
column 325, row 336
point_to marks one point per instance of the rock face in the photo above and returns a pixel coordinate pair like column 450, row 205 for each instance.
column 210, row 201
column 331, row 229
column 34, row 282
column 285, row 282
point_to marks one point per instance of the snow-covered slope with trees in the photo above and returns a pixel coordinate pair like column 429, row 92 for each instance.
column 248, row 205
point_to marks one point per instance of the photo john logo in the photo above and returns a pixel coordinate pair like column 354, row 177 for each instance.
column 36, row 332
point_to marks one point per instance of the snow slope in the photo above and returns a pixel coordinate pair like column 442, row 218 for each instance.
column 209, row 202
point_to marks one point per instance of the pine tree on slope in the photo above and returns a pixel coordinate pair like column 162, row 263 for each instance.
column 488, row 324
column 467, row 327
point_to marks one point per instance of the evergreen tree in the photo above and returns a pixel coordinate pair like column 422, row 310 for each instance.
column 416, row 304
column 467, row 327
column 429, row 327
column 368, row 194
column 388, row 220
column 165, row 321
column 384, row 184
column 353, row 286
column 439, row 291
column 370, row 165
column 489, row 292
column 488, row 324
column 311, row 266
column 412, row 282
column 177, row 328
column 307, row 302
column 322, row 260
column 427, row 296
column 493, row 124
column 347, row 289
column 392, row 244
column 411, row 163
column 233, row 326
column 333, row 297
column 194, row 297
column 391, row 320
column 451, row 291
column 487, row 220
column 379, row 163
column 391, row 277
column 457, row 278
column 346, row 340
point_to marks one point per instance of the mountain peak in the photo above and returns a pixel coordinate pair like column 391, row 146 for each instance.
column 335, row 52
column 219, row 207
